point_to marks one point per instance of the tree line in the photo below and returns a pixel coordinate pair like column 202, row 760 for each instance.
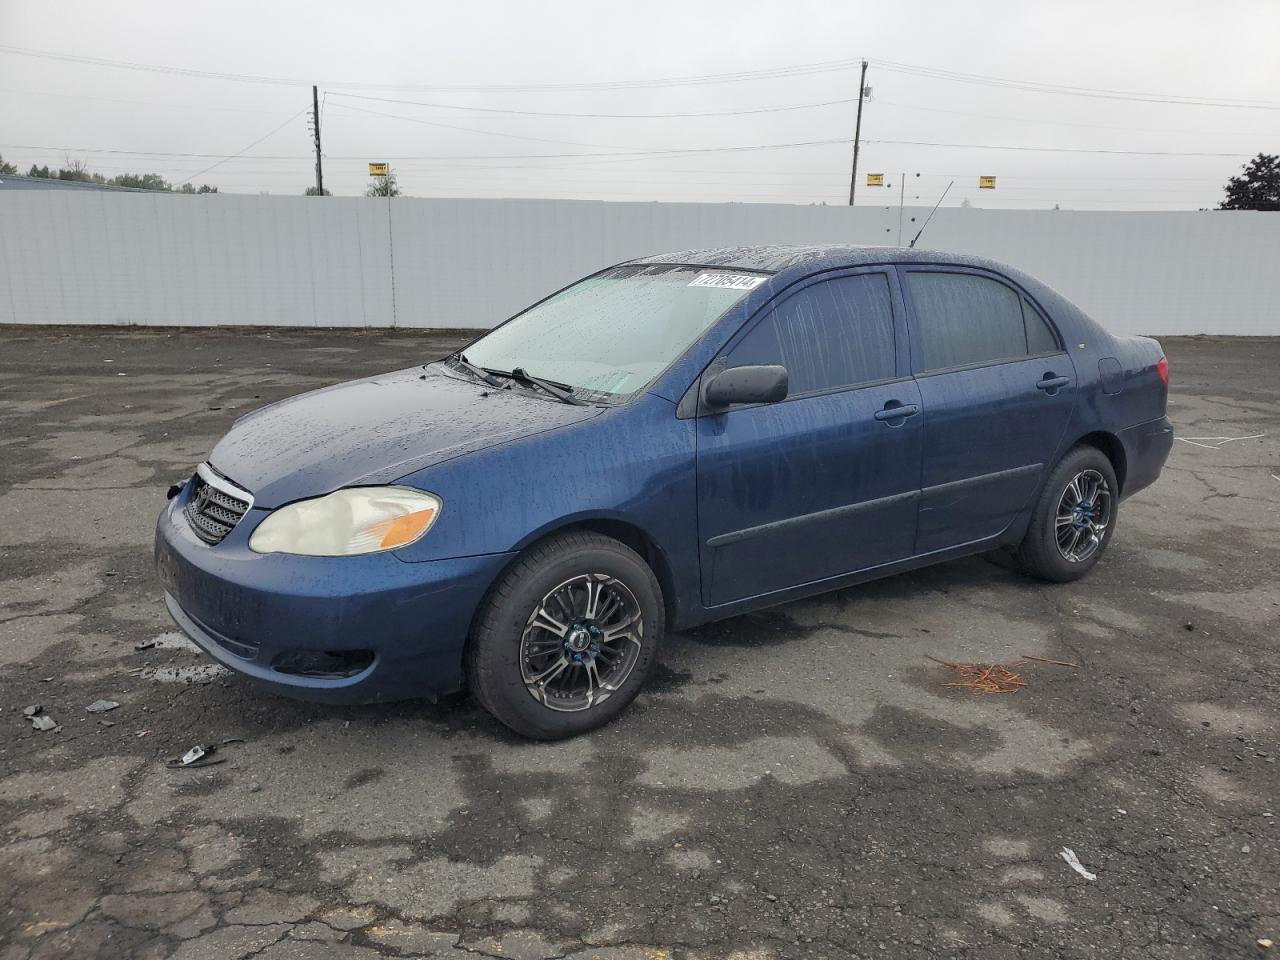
column 78, row 172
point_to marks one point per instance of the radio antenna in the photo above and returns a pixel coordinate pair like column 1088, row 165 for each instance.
column 912, row 244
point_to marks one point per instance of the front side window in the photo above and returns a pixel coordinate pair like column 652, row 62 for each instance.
column 837, row 333
column 961, row 319
column 611, row 334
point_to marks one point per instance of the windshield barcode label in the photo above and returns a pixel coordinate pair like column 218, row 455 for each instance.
column 728, row 281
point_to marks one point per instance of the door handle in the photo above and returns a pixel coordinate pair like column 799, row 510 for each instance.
column 893, row 410
column 1051, row 384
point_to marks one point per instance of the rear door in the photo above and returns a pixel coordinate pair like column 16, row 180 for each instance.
column 997, row 389
column 825, row 482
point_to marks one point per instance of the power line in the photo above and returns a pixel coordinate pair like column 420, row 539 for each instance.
column 626, row 155
column 1035, row 86
column 499, row 113
column 486, row 133
column 733, row 77
column 603, row 116
column 271, row 133
column 795, row 70
column 143, row 103
column 518, row 156
column 789, row 172
column 1065, row 123
column 1095, row 150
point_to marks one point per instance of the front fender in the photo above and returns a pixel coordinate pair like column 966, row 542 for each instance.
column 632, row 465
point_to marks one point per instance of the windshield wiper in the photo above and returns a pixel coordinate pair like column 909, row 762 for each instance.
column 561, row 391
column 461, row 360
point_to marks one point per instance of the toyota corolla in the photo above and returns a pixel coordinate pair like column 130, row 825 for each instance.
column 669, row 441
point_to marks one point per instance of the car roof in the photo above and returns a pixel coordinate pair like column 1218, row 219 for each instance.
column 777, row 257
column 788, row 263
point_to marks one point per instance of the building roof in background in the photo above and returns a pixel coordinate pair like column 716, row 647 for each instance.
column 15, row 182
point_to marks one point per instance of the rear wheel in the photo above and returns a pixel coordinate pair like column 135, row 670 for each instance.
column 566, row 637
column 1074, row 518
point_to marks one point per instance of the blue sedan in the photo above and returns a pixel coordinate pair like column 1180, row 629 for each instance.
column 667, row 442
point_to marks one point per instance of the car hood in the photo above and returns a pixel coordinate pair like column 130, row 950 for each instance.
column 376, row 431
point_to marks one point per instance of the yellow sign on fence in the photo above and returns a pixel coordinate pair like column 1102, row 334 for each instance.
column 875, row 179
column 377, row 169
column 986, row 183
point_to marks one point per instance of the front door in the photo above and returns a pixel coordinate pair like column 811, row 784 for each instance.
column 997, row 391
column 825, row 482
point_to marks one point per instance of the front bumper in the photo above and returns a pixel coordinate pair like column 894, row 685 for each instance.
column 255, row 612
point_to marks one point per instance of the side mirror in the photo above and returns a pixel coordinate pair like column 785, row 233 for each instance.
column 759, row 383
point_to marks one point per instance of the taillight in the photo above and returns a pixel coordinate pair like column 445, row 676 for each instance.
column 1162, row 368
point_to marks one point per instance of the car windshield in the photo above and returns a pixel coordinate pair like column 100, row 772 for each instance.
column 609, row 335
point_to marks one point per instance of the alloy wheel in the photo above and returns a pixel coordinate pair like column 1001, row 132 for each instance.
column 1083, row 515
column 581, row 642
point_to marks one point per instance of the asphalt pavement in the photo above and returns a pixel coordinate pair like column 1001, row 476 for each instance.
column 801, row 782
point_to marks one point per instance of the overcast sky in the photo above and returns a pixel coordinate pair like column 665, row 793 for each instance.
column 370, row 58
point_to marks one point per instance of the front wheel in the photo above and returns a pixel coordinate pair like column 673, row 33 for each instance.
column 1074, row 518
column 566, row 637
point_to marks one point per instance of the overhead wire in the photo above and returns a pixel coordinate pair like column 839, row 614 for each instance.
column 764, row 73
column 265, row 136
column 602, row 116
column 626, row 154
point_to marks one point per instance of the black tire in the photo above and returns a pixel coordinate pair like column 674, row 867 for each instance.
column 505, row 631
column 1040, row 553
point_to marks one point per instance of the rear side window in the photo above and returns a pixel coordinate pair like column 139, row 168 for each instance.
column 1040, row 338
column 964, row 319
column 837, row 333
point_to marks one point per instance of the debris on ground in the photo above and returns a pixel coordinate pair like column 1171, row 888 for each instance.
column 102, row 706
column 196, row 674
column 1265, row 943
column 1214, row 443
column 994, row 677
column 198, row 756
column 146, row 644
column 40, row 720
column 984, row 678
column 1056, row 663
column 1069, row 855
column 201, row 755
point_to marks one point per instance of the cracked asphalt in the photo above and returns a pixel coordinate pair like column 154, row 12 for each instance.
column 797, row 783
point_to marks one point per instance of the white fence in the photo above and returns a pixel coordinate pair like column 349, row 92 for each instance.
column 82, row 257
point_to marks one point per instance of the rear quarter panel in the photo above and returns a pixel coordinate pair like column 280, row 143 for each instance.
column 1121, row 395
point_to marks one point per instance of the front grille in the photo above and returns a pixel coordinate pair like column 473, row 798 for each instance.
column 212, row 510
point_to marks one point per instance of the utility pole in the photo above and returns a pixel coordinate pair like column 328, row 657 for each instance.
column 857, row 132
column 315, row 120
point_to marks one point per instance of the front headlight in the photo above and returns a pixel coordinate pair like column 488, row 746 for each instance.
column 348, row 522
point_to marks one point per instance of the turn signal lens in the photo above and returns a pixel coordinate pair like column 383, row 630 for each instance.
column 403, row 530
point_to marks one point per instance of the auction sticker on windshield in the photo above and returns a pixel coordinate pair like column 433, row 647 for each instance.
column 731, row 281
